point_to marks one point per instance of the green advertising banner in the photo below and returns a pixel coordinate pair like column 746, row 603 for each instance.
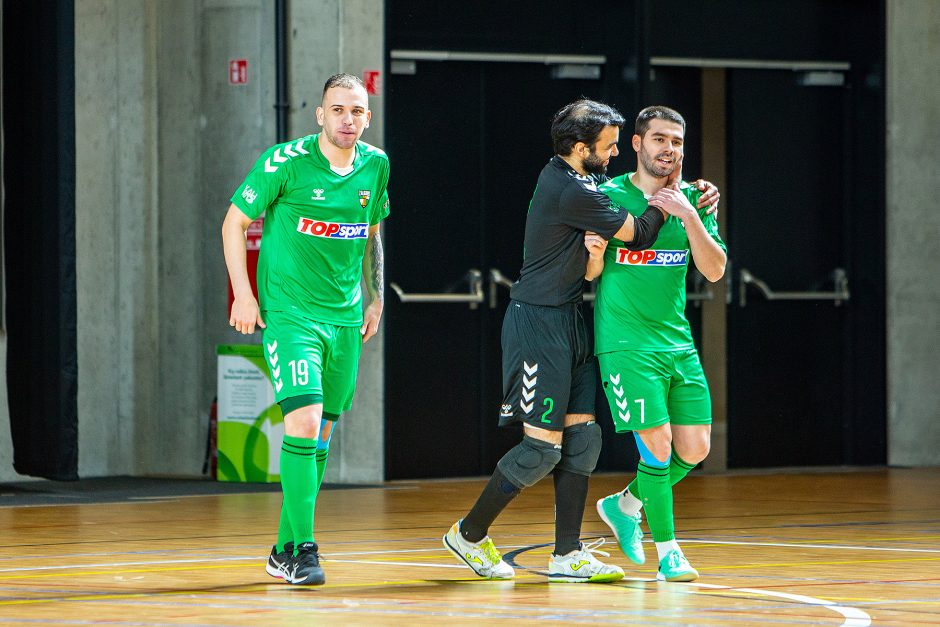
column 251, row 426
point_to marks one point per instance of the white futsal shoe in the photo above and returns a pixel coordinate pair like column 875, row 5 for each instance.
column 580, row 566
column 481, row 556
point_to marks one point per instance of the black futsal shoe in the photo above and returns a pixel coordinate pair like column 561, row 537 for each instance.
column 305, row 567
column 279, row 563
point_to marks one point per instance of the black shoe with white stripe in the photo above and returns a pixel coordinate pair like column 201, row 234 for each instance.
column 279, row 563
column 305, row 567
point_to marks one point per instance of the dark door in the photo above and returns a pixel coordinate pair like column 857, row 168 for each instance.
column 467, row 141
column 788, row 353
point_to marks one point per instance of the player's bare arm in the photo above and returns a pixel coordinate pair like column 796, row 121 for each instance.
column 373, row 270
column 596, row 245
column 708, row 256
column 245, row 314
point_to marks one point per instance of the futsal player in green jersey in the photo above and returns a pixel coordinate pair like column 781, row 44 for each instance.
column 650, row 370
column 324, row 196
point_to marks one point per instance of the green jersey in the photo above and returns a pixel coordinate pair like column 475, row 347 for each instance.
column 640, row 302
column 316, row 227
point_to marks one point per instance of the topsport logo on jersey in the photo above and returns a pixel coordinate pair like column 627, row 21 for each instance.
column 663, row 258
column 333, row 230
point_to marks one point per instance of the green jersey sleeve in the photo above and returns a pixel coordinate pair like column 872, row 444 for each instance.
column 711, row 226
column 262, row 186
column 380, row 209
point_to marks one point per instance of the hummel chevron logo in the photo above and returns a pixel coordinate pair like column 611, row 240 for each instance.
column 528, row 386
column 624, row 413
column 272, row 347
column 291, row 150
column 273, row 359
column 278, row 385
column 276, row 373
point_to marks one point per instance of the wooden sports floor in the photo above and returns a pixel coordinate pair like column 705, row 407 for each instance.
column 835, row 548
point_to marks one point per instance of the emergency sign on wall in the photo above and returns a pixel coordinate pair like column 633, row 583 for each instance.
column 238, row 71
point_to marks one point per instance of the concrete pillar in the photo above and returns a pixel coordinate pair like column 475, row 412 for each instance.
column 913, row 230
column 115, row 230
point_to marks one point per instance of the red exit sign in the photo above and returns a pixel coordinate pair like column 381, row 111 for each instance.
column 238, row 71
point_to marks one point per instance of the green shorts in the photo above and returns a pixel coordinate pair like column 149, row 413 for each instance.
column 313, row 360
column 648, row 389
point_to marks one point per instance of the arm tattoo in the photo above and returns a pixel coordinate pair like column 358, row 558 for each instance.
column 375, row 281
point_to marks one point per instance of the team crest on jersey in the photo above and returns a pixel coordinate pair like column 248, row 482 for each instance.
column 364, row 195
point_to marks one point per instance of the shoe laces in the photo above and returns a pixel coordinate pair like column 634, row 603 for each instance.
column 593, row 547
column 489, row 550
column 675, row 559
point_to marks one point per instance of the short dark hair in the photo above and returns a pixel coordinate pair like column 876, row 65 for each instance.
column 656, row 112
column 582, row 121
column 344, row 80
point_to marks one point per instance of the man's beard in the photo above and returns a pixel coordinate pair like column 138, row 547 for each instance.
column 335, row 140
column 593, row 164
column 649, row 164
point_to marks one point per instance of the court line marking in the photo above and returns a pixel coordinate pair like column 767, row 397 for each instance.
column 813, row 546
column 854, row 617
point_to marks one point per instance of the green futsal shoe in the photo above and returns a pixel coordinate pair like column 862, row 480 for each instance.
column 626, row 528
column 674, row 567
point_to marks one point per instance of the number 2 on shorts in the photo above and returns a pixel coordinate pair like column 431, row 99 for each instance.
column 551, row 405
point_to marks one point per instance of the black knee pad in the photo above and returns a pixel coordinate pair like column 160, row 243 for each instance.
column 580, row 448
column 529, row 461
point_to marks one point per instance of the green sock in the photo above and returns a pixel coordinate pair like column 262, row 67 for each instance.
column 284, row 533
column 657, row 500
column 322, row 455
column 299, row 483
column 678, row 469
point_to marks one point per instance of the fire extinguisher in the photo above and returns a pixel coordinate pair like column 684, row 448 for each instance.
column 211, row 462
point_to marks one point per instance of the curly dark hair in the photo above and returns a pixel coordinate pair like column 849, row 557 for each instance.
column 582, row 121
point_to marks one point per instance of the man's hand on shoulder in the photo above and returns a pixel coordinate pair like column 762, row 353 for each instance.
column 673, row 202
column 709, row 197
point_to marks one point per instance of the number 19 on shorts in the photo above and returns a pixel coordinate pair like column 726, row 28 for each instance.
column 299, row 372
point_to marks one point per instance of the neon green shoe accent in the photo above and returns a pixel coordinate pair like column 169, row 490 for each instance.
column 482, row 557
column 626, row 528
column 675, row 567
column 580, row 566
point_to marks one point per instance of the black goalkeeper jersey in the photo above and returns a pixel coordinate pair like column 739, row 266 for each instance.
column 563, row 206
